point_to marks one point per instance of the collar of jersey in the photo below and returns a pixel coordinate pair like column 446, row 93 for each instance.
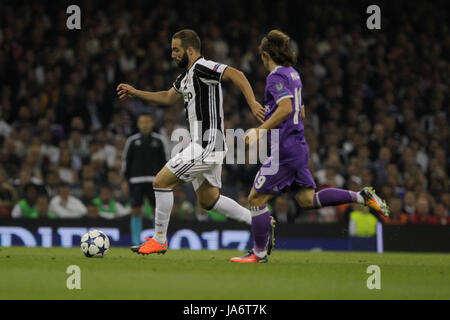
column 201, row 57
column 276, row 68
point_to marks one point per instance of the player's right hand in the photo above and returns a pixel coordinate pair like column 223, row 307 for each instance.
column 125, row 90
column 258, row 111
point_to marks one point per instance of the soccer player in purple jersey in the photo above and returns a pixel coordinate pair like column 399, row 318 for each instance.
column 285, row 111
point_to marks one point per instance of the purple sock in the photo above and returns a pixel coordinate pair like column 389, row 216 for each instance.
column 333, row 197
column 260, row 227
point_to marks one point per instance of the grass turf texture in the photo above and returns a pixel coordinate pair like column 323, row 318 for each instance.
column 40, row 273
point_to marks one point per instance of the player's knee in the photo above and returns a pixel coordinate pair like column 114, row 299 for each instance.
column 159, row 182
column 305, row 200
column 205, row 204
column 254, row 200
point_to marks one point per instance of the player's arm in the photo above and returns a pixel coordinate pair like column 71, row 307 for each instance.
column 164, row 98
column 283, row 111
column 303, row 114
column 240, row 80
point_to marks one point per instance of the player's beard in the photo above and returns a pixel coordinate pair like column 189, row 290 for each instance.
column 183, row 63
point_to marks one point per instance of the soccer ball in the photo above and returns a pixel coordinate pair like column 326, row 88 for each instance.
column 94, row 243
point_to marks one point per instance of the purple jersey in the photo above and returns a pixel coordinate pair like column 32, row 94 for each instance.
column 285, row 83
column 291, row 169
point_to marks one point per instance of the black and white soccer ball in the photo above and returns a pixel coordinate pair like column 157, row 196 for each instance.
column 94, row 243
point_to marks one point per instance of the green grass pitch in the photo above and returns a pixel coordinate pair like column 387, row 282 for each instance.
column 40, row 273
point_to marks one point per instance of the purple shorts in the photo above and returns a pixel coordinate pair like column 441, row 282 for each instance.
column 290, row 176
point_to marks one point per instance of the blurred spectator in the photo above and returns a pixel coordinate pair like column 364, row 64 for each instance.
column 281, row 211
column 65, row 205
column 43, row 208
column 78, row 145
column 441, row 214
column 183, row 208
column 423, row 215
column 66, row 172
column 362, row 223
column 88, row 195
column 26, row 207
column 107, row 206
column 48, row 150
column 8, row 195
column 52, row 182
column 409, row 203
column 397, row 216
column 119, row 190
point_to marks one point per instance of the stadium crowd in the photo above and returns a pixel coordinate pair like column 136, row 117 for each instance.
column 377, row 101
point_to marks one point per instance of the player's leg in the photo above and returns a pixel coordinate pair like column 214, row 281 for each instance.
column 262, row 229
column 307, row 198
column 209, row 198
column 150, row 195
column 265, row 186
column 163, row 186
column 262, row 222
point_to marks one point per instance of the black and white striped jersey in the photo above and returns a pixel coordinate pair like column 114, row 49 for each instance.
column 201, row 88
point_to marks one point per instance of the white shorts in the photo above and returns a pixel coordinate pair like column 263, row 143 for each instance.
column 189, row 166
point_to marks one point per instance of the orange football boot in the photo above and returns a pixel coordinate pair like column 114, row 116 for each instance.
column 150, row 246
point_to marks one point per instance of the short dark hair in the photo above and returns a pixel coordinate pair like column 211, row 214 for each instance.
column 277, row 44
column 64, row 185
column 146, row 114
column 189, row 38
column 29, row 186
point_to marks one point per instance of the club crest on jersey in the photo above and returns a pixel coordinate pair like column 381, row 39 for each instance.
column 138, row 142
column 279, row 86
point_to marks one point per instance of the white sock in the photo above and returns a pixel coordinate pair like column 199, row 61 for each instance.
column 232, row 209
column 359, row 198
column 164, row 204
column 260, row 254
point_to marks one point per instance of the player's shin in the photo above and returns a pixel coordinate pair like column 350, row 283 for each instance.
column 163, row 209
column 232, row 209
column 333, row 197
column 260, row 229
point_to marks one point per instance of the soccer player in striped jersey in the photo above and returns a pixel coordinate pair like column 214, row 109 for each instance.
column 199, row 86
column 285, row 111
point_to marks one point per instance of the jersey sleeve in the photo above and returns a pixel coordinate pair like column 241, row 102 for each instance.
column 177, row 83
column 278, row 87
column 210, row 72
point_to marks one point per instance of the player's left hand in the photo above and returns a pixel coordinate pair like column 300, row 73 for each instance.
column 258, row 111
